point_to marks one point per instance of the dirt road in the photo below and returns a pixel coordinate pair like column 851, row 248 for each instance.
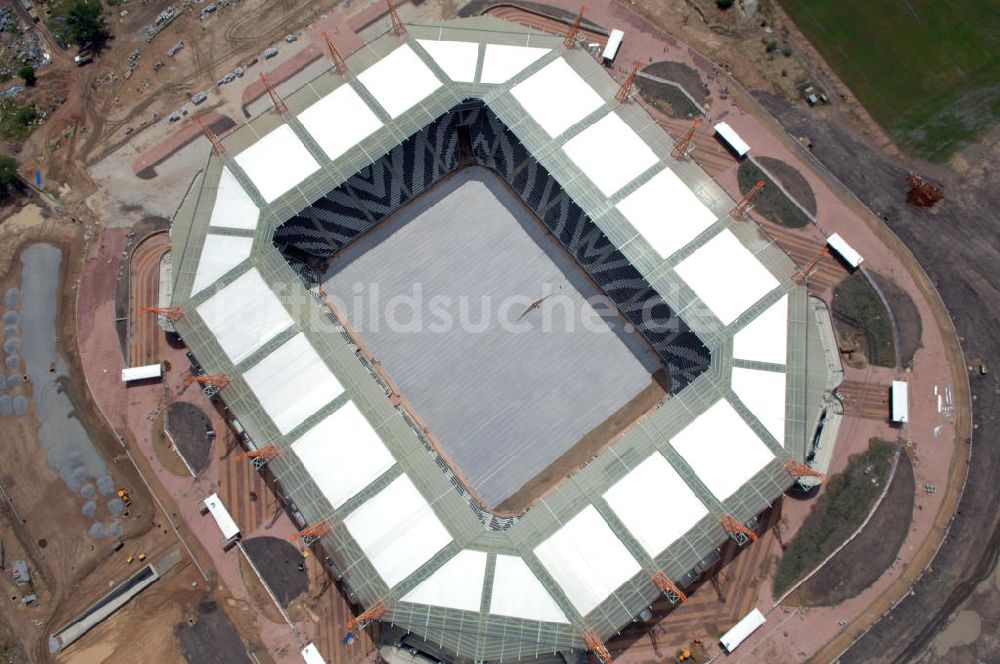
column 959, row 248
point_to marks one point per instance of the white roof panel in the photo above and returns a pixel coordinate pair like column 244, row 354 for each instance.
column 503, row 62
column 726, row 276
column 610, row 153
column 763, row 392
column 518, row 593
column 244, row 315
column 666, row 212
column 277, row 162
column 222, row 516
column 233, row 206
column 765, row 338
column 339, row 121
column 398, row 530
column 219, row 254
column 639, row 497
column 458, row 584
column 292, row 383
column 722, row 449
column 587, row 560
column 556, row 97
column 399, row 80
column 457, row 59
column 343, row 454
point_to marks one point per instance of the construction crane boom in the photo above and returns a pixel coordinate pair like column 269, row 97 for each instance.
column 368, row 616
column 170, row 313
column 218, row 381
column 737, row 530
column 798, row 469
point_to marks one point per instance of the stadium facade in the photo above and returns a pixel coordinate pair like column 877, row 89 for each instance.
column 712, row 297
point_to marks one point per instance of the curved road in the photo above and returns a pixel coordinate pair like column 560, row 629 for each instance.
column 144, row 287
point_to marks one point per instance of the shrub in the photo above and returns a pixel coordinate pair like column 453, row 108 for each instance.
column 27, row 72
column 725, row 4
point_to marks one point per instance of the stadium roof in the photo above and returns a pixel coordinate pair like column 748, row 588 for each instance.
column 476, row 585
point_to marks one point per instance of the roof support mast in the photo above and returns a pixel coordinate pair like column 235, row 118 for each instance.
column 279, row 104
column 261, row 456
column 398, row 28
column 170, row 313
column 213, row 138
column 570, row 39
column 625, row 91
column 681, row 150
column 741, row 208
column 338, row 60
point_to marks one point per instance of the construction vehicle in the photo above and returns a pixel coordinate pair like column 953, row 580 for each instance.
column 125, row 498
column 683, row 656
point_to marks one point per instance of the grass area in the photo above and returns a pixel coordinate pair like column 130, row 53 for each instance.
column 928, row 71
column 668, row 98
column 856, row 303
column 844, row 505
column 17, row 122
column 770, row 202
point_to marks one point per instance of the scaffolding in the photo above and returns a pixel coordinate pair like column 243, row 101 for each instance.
column 261, row 456
column 312, row 534
column 368, row 616
column 597, row 646
column 682, row 148
column 798, row 469
column 398, row 28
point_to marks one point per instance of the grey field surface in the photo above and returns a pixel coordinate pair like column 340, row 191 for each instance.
column 504, row 395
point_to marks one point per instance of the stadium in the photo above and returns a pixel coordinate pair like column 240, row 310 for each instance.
column 495, row 496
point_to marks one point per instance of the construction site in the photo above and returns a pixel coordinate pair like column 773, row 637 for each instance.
column 455, row 339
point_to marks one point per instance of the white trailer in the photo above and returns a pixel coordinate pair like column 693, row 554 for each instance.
column 611, row 48
column 213, row 505
column 147, row 372
column 732, row 139
column 741, row 630
column 846, row 252
column 900, row 402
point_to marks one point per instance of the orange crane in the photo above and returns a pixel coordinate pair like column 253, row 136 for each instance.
column 798, row 469
column 737, row 530
column 262, row 455
column 311, row 534
column 673, row 593
column 744, row 204
column 338, row 60
column 597, row 646
column 217, row 381
column 625, row 91
column 170, row 313
column 570, row 39
column 368, row 616
column 681, row 149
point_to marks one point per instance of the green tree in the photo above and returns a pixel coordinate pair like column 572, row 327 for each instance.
column 9, row 180
column 85, row 26
column 27, row 72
